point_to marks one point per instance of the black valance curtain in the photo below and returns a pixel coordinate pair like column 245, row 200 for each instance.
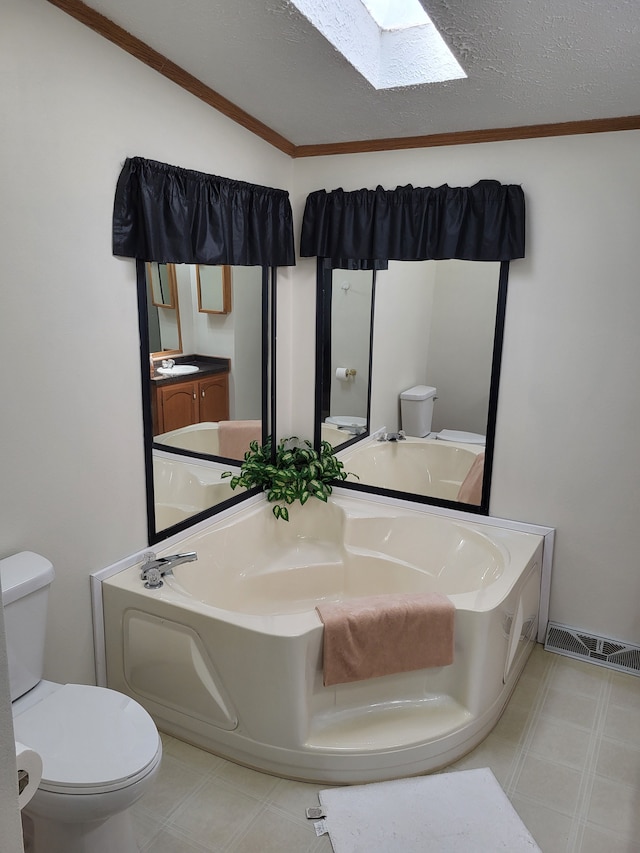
column 365, row 229
column 171, row 215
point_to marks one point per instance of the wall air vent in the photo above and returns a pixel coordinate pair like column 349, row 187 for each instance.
column 600, row 650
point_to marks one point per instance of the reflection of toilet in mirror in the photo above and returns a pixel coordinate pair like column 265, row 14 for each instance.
column 337, row 429
column 416, row 409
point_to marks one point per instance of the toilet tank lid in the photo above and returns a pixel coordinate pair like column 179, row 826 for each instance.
column 24, row 573
column 418, row 392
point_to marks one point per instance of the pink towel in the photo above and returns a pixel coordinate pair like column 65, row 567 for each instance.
column 382, row 634
column 234, row 437
column 470, row 492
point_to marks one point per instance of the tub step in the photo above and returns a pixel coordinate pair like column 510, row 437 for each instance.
column 389, row 724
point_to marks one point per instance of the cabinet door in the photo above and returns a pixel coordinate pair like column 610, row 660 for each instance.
column 179, row 405
column 214, row 398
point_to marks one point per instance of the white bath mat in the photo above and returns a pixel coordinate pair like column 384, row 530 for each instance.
column 463, row 812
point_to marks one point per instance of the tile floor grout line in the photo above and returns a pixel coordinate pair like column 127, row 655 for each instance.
column 578, row 825
column 522, row 749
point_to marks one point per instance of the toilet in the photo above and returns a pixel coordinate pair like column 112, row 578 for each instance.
column 416, row 411
column 100, row 750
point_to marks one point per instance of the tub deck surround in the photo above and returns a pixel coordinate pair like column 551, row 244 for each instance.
column 228, row 653
column 422, row 466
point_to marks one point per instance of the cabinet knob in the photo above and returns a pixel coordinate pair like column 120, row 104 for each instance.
column 202, row 392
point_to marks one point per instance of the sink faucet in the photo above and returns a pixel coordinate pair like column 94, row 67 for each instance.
column 168, row 362
column 154, row 568
column 392, row 436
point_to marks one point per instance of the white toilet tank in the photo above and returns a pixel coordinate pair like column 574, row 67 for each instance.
column 25, row 579
column 416, row 410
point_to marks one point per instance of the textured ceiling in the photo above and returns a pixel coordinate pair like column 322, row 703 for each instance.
column 528, row 62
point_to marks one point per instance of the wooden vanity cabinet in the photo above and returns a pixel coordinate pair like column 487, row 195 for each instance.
column 184, row 403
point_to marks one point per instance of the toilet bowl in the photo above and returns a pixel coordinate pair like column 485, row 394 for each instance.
column 100, row 750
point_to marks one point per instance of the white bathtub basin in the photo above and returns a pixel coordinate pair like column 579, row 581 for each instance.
column 419, row 466
column 227, row 654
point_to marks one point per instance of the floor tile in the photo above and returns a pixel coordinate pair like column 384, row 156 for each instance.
column 215, row 813
column 615, row 807
column 272, row 832
column 175, row 782
column 620, row 762
column 578, row 676
column 596, row 840
column 560, row 742
column 550, row 829
column 622, row 724
column 550, row 784
column 566, row 706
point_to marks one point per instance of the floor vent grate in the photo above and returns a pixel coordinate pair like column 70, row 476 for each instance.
column 599, row 650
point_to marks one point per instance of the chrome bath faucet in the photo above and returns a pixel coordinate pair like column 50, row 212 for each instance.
column 155, row 568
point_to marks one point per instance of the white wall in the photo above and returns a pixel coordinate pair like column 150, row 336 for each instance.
column 73, row 107
column 461, row 343
column 567, row 449
column 404, row 300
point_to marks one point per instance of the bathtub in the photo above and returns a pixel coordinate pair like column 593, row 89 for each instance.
column 199, row 438
column 227, row 654
column 184, row 486
column 422, row 466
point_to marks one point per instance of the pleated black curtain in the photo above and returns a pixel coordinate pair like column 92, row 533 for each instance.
column 168, row 214
column 365, row 229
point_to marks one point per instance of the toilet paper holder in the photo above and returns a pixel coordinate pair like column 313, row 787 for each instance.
column 345, row 372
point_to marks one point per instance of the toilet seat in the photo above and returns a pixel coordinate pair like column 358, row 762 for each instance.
column 91, row 739
column 462, row 437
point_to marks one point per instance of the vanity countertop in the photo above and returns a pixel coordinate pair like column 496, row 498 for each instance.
column 207, row 365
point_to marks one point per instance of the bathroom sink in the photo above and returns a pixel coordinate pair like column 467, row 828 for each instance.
column 178, row 370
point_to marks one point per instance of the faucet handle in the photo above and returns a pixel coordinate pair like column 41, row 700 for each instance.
column 153, row 579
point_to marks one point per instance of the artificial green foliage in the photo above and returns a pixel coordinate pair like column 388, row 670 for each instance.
column 297, row 473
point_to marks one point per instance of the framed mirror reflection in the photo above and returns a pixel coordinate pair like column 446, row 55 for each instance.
column 165, row 336
column 436, row 344
column 214, row 288
column 343, row 354
column 206, row 401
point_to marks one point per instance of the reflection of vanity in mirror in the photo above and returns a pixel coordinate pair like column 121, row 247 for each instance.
column 215, row 374
column 436, row 345
column 206, row 380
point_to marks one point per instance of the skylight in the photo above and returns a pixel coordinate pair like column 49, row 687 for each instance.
column 392, row 43
column 396, row 14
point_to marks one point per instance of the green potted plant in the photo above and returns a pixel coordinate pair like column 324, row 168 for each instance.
column 297, row 472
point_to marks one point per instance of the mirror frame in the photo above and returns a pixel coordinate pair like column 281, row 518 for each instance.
column 225, row 284
column 268, row 403
column 496, row 362
column 324, row 298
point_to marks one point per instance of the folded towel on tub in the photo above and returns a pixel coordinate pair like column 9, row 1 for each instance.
column 383, row 634
column 234, row 437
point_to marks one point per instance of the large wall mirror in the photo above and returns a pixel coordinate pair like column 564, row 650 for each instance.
column 206, row 398
column 436, row 343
